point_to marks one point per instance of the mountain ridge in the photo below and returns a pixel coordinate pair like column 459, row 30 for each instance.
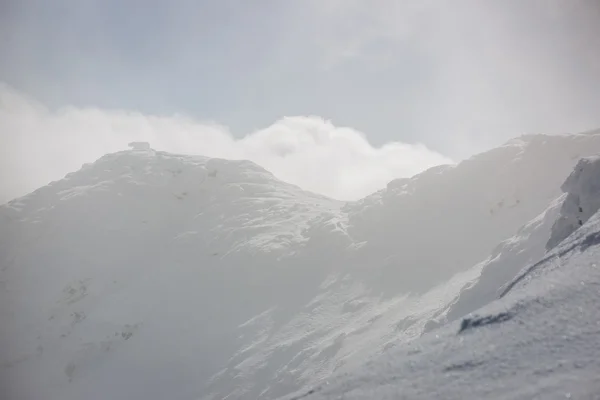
column 214, row 277
column 537, row 340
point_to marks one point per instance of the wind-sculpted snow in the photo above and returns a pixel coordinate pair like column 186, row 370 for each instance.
column 539, row 341
column 447, row 218
column 527, row 246
column 149, row 275
column 583, row 199
column 565, row 215
column 581, row 203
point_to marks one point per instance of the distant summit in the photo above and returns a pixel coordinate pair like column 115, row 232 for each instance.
column 139, row 145
column 148, row 274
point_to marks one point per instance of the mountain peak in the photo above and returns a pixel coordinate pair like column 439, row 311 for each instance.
column 139, row 145
column 229, row 282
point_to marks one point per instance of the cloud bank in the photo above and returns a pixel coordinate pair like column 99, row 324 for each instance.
column 40, row 145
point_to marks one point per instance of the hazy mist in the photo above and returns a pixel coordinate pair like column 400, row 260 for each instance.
column 291, row 84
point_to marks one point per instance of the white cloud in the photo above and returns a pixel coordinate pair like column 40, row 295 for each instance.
column 40, row 145
column 484, row 71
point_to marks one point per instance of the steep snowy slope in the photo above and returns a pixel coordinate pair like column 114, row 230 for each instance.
column 582, row 201
column 134, row 253
column 153, row 275
column 539, row 341
column 462, row 212
column 571, row 210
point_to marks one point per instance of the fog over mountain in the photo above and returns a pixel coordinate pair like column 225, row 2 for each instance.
column 149, row 274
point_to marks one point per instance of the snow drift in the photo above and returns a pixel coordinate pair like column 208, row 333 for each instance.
column 153, row 275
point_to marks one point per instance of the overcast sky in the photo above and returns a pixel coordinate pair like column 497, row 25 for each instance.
column 356, row 85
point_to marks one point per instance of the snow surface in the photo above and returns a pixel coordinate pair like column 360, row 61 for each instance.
column 149, row 275
column 526, row 246
column 583, row 199
column 541, row 340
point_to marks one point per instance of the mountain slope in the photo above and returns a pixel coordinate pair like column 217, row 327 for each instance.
column 566, row 214
column 538, row 341
column 462, row 211
column 142, row 238
column 153, row 275
column 528, row 245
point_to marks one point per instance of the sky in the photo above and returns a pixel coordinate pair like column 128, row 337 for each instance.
column 371, row 90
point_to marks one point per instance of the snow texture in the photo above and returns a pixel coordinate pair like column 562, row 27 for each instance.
column 539, row 341
column 583, row 199
column 150, row 275
column 526, row 246
column 565, row 215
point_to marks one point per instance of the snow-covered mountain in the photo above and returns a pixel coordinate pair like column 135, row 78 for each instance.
column 539, row 340
column 149, row 275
